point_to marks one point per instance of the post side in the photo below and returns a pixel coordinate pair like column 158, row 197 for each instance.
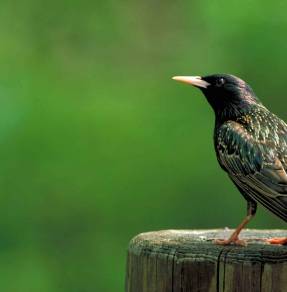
column 187, row 260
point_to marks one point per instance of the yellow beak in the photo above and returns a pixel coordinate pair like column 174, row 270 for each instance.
column 196, row 81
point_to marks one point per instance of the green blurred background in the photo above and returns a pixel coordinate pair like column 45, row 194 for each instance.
column 99, row 144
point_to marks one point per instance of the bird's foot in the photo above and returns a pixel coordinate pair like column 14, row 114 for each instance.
column 277, row 240
column 230, row 241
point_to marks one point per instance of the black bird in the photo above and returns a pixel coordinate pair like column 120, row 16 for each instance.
column 250, row 144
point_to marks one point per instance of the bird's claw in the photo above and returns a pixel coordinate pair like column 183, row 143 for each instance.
column 277, row 240
column 230, row 241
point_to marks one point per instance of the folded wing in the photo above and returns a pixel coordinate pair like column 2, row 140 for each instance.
column 255, row 166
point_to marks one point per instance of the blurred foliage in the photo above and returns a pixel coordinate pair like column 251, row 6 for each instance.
column 99, row 144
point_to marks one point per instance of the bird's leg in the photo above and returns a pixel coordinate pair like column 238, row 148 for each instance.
column 251, row 210
column 234, row 236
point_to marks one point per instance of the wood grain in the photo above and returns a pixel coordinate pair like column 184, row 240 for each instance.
column 187, row 260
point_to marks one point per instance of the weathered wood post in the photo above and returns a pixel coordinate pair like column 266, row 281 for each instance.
column 182, row 260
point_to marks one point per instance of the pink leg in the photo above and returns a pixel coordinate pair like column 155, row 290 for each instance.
column 234, row 236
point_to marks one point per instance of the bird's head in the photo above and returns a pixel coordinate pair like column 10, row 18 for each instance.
column 225, row 93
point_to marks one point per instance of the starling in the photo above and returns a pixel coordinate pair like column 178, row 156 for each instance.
column 250, row 144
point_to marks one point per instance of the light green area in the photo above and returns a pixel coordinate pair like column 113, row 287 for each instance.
column 99, row 144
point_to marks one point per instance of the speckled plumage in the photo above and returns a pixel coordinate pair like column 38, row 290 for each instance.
column 250, row 143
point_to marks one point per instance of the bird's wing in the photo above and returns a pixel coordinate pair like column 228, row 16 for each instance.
column 254, row 166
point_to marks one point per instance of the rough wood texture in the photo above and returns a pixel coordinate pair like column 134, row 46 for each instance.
column 186, row 260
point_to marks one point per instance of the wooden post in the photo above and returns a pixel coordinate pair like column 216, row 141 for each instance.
column 187, row 260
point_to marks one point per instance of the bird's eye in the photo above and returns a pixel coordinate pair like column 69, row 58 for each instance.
column 220, row 82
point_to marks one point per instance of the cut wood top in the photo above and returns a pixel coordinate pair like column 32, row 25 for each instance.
column 198, row 245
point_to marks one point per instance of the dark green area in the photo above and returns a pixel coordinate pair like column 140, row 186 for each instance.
column 99, row 144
